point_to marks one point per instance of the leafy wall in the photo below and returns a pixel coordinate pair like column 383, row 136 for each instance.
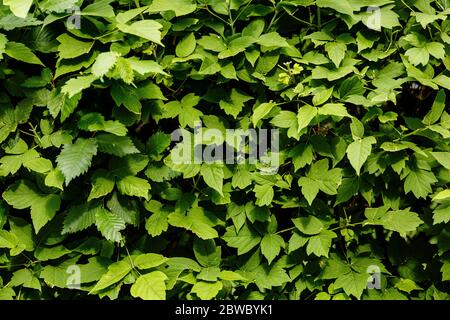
column 93, row 204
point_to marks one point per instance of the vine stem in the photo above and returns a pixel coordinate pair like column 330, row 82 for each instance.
column 136, row 2
column 285, row 230
column 215, row 15
column 337, row 228
column 131, row 261
column 230, row 17
column 406, row 5
column 242, row 10
column 35, row 133
column 319, row 18
column 292, row 14
column 348, row 225
column 273, row 18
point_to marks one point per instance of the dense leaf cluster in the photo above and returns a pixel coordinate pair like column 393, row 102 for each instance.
column 92, row 90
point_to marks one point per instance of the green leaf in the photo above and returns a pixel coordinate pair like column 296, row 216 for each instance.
column 147, row 29
column 100, row 8
column 436, row 110
column 336, row 51
column 118, row 146
column 320, row 244
column 116, row 272
column 198, row 221
column 39, row 165
column 56, row 252
column 357, row 129
column 134, row 186
column 207, row 290
column 22, row 53
column 24, row 195
column 444, row 194
column 445, row 269
column 418, row 56
column 75, row 159
column 8, row 240
column 150, row 286
column 105, row 62
column 96, row 122
column 149, row 260
column 206, row 253
column 340, row 6
column 436, row 49
column 407, row 285
column 443, row 158
column 26, row 279
column 308, row 225
column 244, row 240
column 261, row 111
column 213, row 176
column 79, row 218
column 157, row 222
column 301, row 155
column 334, row 109
column 353, row 283
column 358, row 152
column 271, row 245
column 233, row 106
column 20, row 8
column 44, row 210
column 158, row 143
column 264, row 194
column 102, row 184
column 272, row 39
column 76, row 85
column 55, row 179
column 320, row 178
column 127, row 210
column 61, row 103
column 305, row 115
column 419, row 182
column 109, row 224
column 212, row 43
column 401, row 221
column 70, row 47
column 186, row 46
column 180, row 7
column 145, row 67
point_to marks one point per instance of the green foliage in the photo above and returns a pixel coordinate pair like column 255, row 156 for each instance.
column 88, row 168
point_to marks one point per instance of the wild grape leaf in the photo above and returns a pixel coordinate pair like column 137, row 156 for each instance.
column 244, row 240
column 207, row 253
column 358, row 152
column 271, row 245
column 401, row 221
column 23, row 194
column 206, row 290
column 213, row 176
column 320, row 244
column 150, row 286
column 419, row 182
column 116, row 272
column 320, row 178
